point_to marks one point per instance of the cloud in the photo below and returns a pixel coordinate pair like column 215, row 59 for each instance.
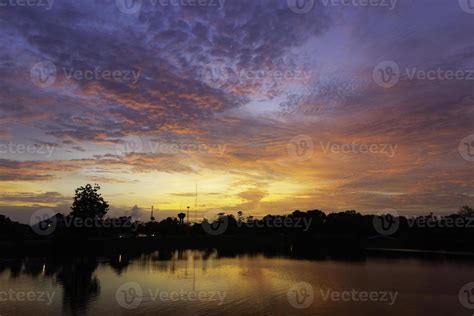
column 175, row 52
column 34, row 197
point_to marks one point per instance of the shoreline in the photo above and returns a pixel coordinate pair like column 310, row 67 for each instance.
column 225, row 244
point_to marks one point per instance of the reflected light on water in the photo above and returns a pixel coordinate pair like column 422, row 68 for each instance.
column 205, row 282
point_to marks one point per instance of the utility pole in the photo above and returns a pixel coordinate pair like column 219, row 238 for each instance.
column 152, row 218
column 196, row 205
column 188, row 215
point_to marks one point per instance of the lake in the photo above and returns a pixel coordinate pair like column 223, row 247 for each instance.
column 193, row 282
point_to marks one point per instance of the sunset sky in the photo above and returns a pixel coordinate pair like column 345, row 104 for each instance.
column 266, row 107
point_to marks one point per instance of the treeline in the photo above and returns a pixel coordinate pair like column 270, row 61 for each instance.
column 298, row 231
column 11, row 231
column 458, row 227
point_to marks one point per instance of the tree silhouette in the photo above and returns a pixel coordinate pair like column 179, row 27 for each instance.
column 89, row 203
column 240, row 215
column 466, row 211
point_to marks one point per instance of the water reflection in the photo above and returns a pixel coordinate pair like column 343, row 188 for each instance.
column 74, row 275
column 80, row 284
column 249, row 283
column 77, row 275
